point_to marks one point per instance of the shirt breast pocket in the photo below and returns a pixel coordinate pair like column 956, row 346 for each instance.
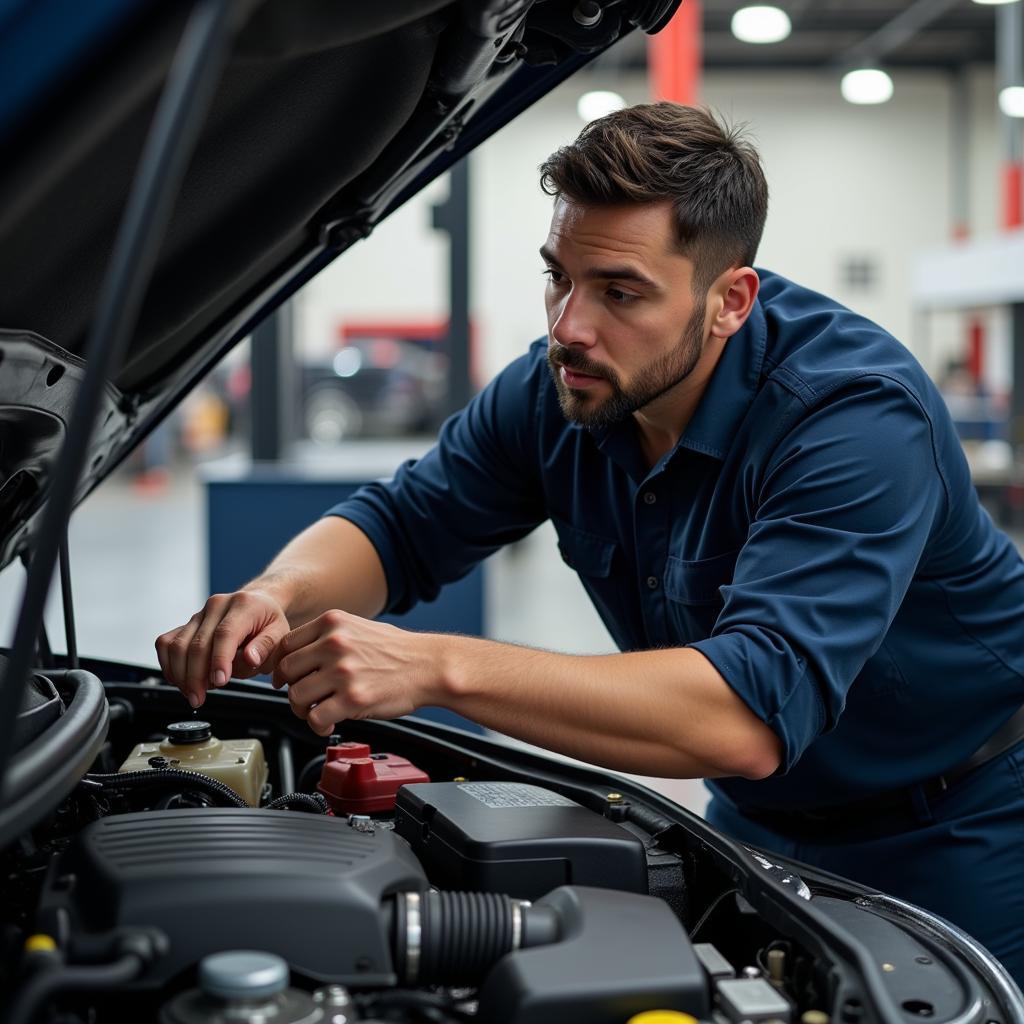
column 587, row 553
column 693, row 592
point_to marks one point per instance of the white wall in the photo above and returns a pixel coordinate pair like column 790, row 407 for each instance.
column 845, row 181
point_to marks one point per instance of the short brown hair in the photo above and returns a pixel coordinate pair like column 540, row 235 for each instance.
column 658, row 151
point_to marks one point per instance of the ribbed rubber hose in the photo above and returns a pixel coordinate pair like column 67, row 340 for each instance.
column 464, row 934
column 455, row 938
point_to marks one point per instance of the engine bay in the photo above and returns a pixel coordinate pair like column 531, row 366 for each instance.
column 236, row 867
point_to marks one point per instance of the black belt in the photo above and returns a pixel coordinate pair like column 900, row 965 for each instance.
column 899, row 802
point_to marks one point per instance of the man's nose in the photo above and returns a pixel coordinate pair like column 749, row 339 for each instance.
column 571, row 323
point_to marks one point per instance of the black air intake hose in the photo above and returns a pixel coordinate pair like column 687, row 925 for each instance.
column 455, row 938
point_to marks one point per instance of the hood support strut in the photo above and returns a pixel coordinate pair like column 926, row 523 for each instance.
column 173, row 133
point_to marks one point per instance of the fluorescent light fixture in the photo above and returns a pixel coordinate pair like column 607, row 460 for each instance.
column 761, row 24
column 1011, row 100
column 993, row 3
column 866, row 85
column 348, row 362
column 592, row 105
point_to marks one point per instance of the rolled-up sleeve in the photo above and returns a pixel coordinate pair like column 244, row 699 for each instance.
column 476, row 490
column 842, row 517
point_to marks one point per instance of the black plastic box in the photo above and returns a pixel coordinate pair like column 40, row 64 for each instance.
column 516, row 839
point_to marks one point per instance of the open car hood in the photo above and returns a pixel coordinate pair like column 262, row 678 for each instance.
column 327, row 117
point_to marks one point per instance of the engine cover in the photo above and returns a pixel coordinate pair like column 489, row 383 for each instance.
column 306, row 887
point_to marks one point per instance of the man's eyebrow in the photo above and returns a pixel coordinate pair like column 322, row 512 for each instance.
column 621, row 273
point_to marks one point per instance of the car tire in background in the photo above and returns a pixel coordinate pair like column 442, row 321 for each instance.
column 331, row 416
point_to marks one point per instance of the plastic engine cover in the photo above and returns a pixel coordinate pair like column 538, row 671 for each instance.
column 515, row 838
column 620, row 954
column 304, row 886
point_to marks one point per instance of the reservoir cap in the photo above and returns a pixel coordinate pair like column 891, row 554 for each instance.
column 193, row 731
column 243, row 974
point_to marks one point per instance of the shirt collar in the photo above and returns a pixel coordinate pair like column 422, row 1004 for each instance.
column 725, row 402
column 730, row 391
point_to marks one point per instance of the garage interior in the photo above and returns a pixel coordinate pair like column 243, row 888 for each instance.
column 909, row 210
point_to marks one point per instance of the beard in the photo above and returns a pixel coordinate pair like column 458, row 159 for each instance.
column 649, row 383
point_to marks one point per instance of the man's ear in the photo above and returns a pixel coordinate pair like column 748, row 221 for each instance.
column 735, row 291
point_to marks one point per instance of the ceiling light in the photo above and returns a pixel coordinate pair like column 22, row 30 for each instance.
column 1011, row 100
column 866, row 85
column 992, row 3
column 596, row 104
column 760, row 25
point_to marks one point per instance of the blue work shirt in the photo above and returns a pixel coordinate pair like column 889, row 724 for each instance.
column 814, row 533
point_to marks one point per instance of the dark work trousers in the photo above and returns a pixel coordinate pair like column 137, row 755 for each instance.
column 962, row 859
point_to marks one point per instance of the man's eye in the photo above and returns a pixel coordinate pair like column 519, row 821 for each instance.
column 554, row 276
column 620, row 297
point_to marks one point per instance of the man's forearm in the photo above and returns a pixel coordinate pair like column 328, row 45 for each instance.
column 667, row 713
column 331, row 564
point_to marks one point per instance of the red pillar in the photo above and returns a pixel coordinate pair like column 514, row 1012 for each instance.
column 976, row 348
column 1013, row 195
column 674, row 57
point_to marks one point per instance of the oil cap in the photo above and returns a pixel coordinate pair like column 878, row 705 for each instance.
column 193, row 731
column 243, row 974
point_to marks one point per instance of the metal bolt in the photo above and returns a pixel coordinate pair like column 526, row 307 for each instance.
column 614, row 798
column 587, row 13
column 888, row 968
column 460, row 778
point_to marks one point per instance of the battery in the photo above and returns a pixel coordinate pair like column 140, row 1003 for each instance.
column 515, row 838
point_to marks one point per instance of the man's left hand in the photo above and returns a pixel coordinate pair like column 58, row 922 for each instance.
column 340, row 666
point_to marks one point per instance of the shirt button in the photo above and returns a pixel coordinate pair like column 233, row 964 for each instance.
column 650, row 498
column 652, row 582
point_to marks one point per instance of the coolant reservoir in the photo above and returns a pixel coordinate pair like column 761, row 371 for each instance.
column 191, row 746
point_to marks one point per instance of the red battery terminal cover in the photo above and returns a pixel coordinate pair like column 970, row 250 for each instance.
column 356, row 781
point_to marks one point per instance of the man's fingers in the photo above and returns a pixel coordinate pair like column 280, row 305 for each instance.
column 175, row 660
column 290, row 668
column 308, row 632
column 262, row 653
column 232, row 652
column 200, row 648
column 325, row 716
column 308, row 692
column 161, row 646
column 321, row 632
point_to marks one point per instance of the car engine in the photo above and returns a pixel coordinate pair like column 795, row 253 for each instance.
column 190, row 879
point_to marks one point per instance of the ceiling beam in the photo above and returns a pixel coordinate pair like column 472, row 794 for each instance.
column 897, row 32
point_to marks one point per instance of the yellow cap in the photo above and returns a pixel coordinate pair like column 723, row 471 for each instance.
column 40, row 944
column 814, row 1017
column 662, row 1017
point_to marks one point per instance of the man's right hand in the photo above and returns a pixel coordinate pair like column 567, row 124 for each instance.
column 233, row 635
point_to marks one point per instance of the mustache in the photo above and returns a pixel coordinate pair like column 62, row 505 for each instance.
column 571, row 359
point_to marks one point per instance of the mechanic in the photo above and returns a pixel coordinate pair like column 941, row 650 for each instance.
column 766, row 500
